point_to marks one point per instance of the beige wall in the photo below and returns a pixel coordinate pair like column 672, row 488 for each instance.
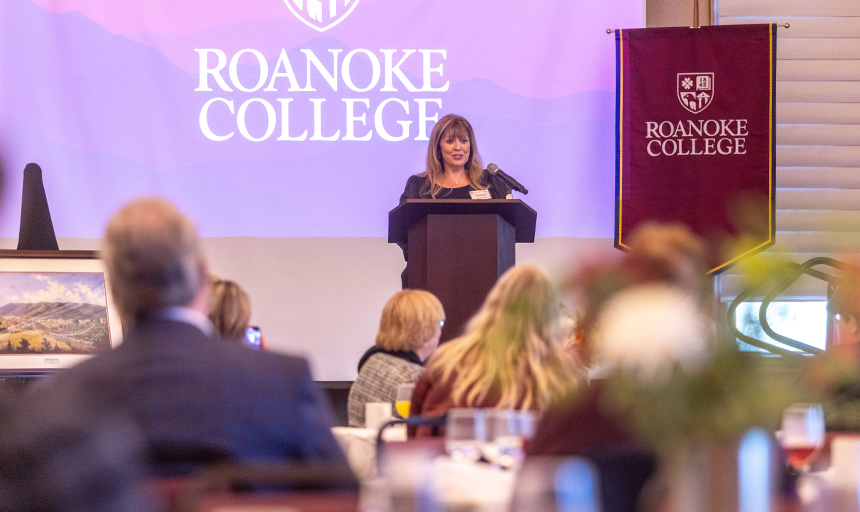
column 321, row 297
column 677, row 13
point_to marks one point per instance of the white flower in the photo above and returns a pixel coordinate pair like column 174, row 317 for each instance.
column 687, row 83
column 648, row 328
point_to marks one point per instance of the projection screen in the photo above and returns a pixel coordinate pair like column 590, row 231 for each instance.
column 292, row 120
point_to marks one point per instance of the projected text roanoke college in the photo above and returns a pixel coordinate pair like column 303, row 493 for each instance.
column 350, row 97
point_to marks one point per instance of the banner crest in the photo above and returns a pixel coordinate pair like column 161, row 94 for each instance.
column 695, row 90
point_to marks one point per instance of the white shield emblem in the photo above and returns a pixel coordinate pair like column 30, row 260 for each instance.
column 321, row 14
column 695, row 90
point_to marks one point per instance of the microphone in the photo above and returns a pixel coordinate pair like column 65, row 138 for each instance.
column 514, row 184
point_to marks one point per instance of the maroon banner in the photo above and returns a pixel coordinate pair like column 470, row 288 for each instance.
column 695, row 134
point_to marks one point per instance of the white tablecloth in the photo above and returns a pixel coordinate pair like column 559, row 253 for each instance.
column 445, row 484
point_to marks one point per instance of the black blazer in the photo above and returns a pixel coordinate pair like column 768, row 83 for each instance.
column 497, row 187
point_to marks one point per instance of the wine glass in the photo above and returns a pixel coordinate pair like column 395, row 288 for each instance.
column 403, row 401
column 802, row 434
column 465, row 432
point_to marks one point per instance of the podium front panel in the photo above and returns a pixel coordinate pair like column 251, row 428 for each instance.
column 459, row 258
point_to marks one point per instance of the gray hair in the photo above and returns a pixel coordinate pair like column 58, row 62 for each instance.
column 153, row 257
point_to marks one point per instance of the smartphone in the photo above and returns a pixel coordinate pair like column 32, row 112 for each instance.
column 253, row 336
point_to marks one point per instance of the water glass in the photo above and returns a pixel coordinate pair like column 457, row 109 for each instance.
column 507, row 433
column 465, row 432
column 526, row 425
column 503, row 445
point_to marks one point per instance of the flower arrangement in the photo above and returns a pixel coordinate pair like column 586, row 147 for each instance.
column 649, row 322
column 668, row 377
column 718, row 400
column 688, row 397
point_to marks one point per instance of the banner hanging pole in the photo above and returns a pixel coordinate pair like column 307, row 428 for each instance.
column 696, row 14
column 779, row 25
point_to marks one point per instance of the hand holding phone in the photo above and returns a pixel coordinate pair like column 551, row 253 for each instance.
column 253, row 336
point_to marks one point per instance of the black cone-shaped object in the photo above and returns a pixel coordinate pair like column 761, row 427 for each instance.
column 37, row 230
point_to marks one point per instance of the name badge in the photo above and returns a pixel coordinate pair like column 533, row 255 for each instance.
column 480, row 194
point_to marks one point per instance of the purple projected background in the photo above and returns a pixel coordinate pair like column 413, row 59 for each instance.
column 102, row 94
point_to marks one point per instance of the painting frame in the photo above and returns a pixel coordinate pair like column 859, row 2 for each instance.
column 47, row 262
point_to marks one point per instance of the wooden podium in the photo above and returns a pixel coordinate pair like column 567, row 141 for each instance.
column 458, row 248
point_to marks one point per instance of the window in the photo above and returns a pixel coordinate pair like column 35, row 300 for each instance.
column 801, row 320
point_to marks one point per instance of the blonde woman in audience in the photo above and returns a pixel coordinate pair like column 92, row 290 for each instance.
column 409, row 332
column 230, row 311
column 511, row 356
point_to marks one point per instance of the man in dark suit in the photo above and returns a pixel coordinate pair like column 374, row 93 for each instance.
column 194, row 397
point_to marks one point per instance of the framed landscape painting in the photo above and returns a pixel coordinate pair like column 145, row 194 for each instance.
column 56, row 310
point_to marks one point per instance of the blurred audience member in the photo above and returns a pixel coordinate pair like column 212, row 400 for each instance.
column 636, row 314
column 53, row 458
column 680, row 249
column 648, row 309
column 664, row 254
column 195, row 399
column 230, row 312
column 511, row 355
column 409, row 332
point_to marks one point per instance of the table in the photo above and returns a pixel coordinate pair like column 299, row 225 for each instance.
column 438, row 482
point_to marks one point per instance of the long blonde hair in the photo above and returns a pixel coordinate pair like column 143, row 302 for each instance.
column 512, row 347
column 455, row 126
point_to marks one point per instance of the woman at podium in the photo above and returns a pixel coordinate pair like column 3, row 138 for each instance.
column 454, row 169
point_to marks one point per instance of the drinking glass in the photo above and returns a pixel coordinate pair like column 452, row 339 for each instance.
column 403, row 401
column 802, row 434
column 508, row 431
column 526, row 424
column 503, row 446
column 465, row 432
